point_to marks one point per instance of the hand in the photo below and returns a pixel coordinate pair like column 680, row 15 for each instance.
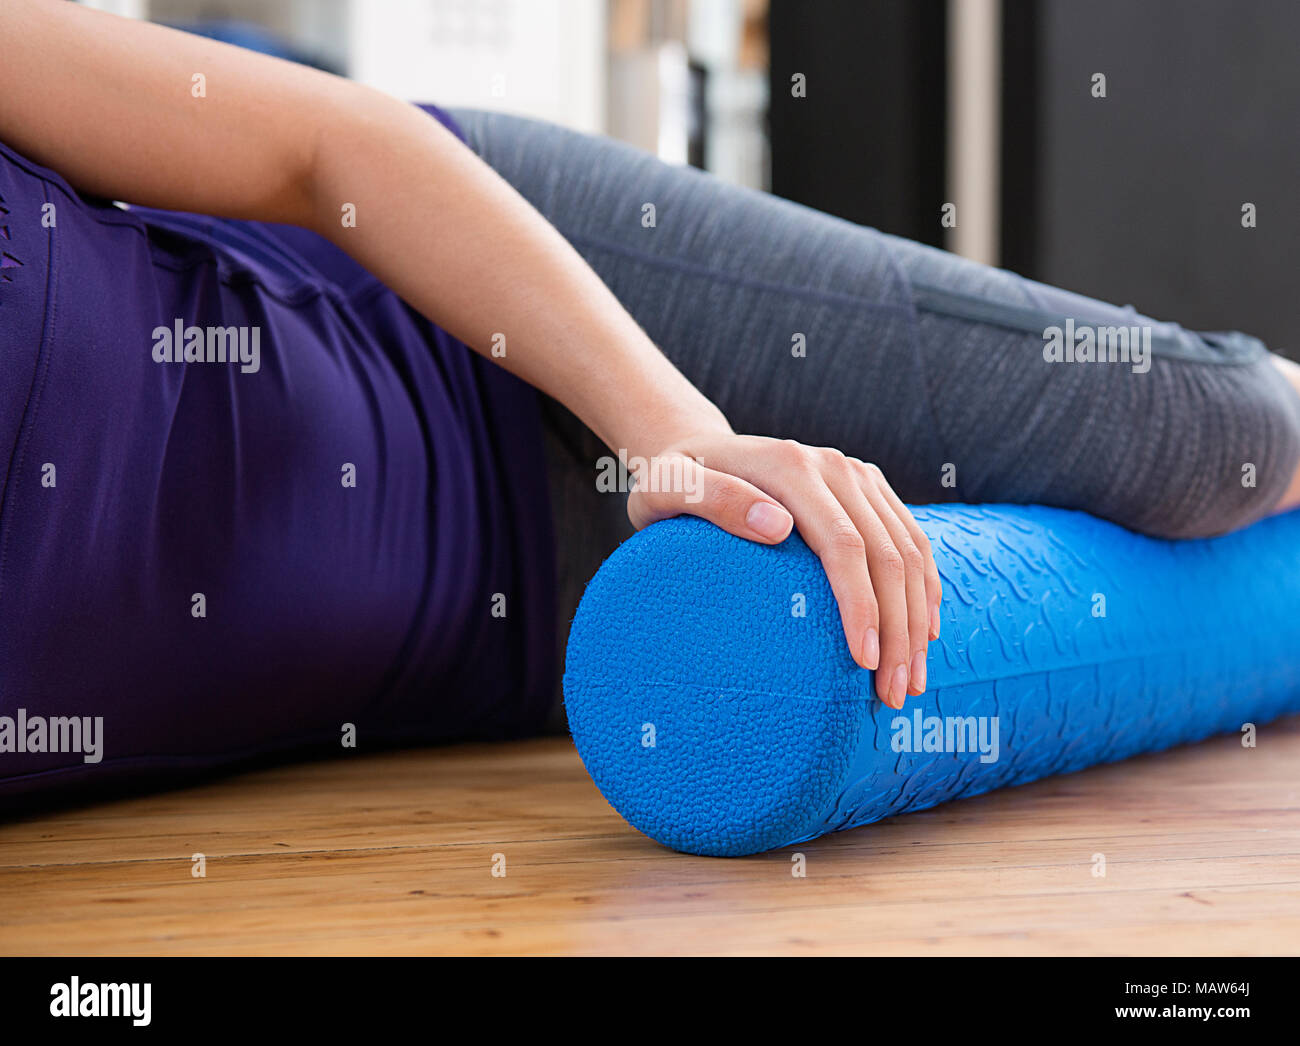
column 877, row 559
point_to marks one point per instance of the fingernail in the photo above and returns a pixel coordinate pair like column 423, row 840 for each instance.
column 918, row 671
column 767, row 520
column 898, row 690
column 934, row 621
column 871, row 649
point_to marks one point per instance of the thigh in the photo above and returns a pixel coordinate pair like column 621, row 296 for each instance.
column 938, row 369
column 1051, row 397
column 796, row 324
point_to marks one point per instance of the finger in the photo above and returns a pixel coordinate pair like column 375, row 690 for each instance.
column 793, row 476
column 888, row 571
column 918, row 614
column 831, row 533
column 675, row 485
column 933, row 583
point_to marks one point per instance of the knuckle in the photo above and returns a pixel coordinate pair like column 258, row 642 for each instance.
column 794, row 456
column 889, row 562
column 725, row 498
column 912, row 558
column 833, row 463
column 873, row 470
column 843, row 538
column 869, row 607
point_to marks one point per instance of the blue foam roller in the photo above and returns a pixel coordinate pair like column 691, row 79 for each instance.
column 714, row 702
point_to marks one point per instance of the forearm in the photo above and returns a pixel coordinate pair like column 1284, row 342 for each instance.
column 460, row 245
column 137, row 112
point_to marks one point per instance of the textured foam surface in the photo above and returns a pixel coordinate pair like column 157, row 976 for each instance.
column 719, row 720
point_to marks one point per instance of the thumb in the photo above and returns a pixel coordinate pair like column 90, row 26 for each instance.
column 677, row 485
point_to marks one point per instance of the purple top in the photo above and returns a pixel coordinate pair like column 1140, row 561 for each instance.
column 247, row 496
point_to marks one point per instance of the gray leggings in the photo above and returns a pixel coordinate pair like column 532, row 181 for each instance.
column 807, row 327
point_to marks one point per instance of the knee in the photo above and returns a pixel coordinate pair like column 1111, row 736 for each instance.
column 1222, row 456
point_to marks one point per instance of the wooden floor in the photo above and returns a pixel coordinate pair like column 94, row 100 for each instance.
column 395, row 853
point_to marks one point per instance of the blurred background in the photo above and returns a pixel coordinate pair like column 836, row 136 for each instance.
column 1140, row 187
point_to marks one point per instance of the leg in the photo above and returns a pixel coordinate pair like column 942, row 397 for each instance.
column 1291, row 372
column 804, row 326
column 807, row 327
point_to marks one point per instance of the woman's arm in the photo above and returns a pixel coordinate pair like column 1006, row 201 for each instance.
column 111, row 104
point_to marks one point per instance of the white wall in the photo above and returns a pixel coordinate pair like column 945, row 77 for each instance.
column 543, row 58
column 126, row 8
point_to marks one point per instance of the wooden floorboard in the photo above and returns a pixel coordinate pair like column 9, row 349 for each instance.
column 393, row 854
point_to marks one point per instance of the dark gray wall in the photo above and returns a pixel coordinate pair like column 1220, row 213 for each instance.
column 1139, row 194
column 867, row 143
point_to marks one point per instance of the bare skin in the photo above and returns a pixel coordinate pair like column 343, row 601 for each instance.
column 1291, row 372
column 108, row 103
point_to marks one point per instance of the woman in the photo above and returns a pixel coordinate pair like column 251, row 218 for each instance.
column 258, row 494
